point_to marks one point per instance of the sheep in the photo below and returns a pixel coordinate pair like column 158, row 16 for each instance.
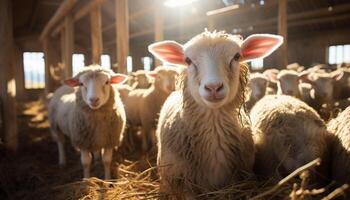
column 287, row 83
column 271, row 74
column 322, row 87
column 141, row 79
column 142, row 106
column 340, row 129
column 203, row 138
column 287, row 134
column 258, row 85
column 342, row 86
column 91, row 115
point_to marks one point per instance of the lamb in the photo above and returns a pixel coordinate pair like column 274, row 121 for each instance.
column 271, row 74
column 141, row 80
column 142, row 106
column 91, row 115
column 287, row 134
column 322, row 87
column 204, row 140
column 288, row 81
column 340, row 129
column 257, row 84
column 342, row 86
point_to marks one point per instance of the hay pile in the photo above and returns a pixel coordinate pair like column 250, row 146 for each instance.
column 145, row 185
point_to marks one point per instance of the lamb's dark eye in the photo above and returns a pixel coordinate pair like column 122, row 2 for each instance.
column 188, row 61
column 237, row 56
column 107, row 82
column 81, row 84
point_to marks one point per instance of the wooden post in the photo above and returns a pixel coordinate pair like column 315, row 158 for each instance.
column 96, row 34
column 68, row 43
column 19, row 72
column 51, row 61
column 122, row 31
column 7, row 78
column 158, row 26
column 282, row 30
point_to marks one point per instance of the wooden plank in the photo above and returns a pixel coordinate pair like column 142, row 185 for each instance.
column 122, row 31
column 158, row 27
column 68, row 45
column 9, row 134
column 82, row 12
column 52, row 80
column 63, row 10
column 282, row 30
column 222, row 11
column 96, row 34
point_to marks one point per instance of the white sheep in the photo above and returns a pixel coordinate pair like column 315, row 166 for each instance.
column 322, row 87
column 287, row 134
column 340, row 130
column 342, row 86
column 287, row 83
column 203, row 140
column 89, row 111
column 257, row 87
column 142, row 81
column 142, row 106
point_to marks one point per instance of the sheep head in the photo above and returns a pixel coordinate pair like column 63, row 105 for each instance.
column 213, row 62
column 95, row 84
column 164, row 78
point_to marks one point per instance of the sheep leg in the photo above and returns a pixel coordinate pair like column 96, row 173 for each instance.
column 61, row 154
column 86, row 159
column 144, row 135
column 59, row 138
column 97, row 155
column 107, row 160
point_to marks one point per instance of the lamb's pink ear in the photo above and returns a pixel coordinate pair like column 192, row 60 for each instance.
column 71, row 82
column 259, row 46
column 151, row 74
column 168, row 51
column 118, row 78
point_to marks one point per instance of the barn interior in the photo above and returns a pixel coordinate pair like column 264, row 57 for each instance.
column 44, row 42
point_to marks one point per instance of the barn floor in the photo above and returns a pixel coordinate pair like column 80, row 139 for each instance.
column 33, row 173
column 34, row 168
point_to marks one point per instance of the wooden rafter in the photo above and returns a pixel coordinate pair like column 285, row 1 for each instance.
column 61, row 12
column 82, row 12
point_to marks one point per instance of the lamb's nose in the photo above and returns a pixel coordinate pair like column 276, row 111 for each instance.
column 214, row 87
column 94, row 100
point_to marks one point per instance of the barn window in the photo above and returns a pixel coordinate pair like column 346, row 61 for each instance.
column 129, row 64
column 34, row 70
column 78, row 63
column 257, row 64
column 106, row 61
column 338, row 54
column 147, row 62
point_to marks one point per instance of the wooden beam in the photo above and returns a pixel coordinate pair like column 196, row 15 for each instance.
column 63, row 10
column 132, row 18
column 34, row 16
column 96, row 34
column 282, row 30
column 158, row 27
column 122, row 31
column 52, row 81
column 82, row 12
column 222, row 11
column 68, row 46
column 8, row 116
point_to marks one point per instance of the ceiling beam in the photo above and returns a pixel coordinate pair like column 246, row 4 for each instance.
column 82, row 12
column 64, row 9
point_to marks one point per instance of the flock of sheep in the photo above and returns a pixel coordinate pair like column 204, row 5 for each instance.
column 194, row 115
